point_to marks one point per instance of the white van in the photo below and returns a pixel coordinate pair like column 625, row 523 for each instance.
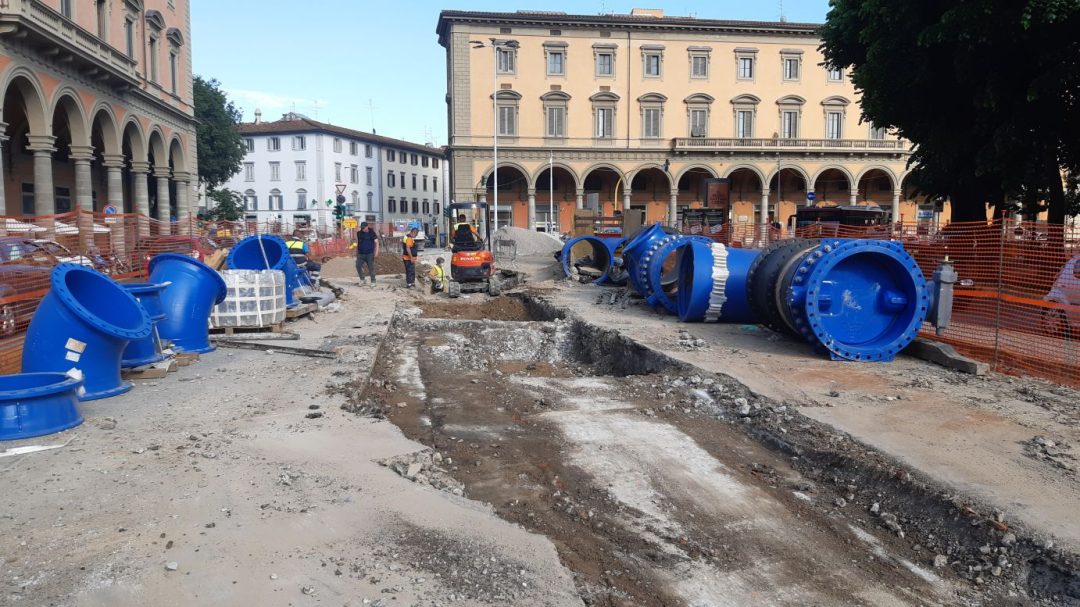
column 1065, row 319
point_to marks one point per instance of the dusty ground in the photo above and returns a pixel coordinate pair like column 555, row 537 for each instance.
column 581, row 449
column 386, row 264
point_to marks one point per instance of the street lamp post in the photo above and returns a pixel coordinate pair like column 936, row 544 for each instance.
column 495, row 44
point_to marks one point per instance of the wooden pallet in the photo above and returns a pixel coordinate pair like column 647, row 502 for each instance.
column 184, row 359
column 274, row 328
column 154, row 371
column 301, row 310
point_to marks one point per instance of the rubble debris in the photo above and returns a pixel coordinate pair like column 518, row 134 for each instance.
column 1055, row 452
column 425, row 467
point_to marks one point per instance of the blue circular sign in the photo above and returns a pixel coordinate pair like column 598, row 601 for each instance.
column 810, row 196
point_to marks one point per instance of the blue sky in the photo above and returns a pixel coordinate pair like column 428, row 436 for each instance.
column 356, row 63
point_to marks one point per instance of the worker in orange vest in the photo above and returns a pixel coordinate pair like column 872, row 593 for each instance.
column 408, row 255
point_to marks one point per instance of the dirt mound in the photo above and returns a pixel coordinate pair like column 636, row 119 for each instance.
column 529, row 243
column 498, row 308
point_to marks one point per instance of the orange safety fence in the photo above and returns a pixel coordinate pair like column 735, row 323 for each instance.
column 119, row 245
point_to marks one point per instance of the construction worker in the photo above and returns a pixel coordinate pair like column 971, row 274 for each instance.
column 301, row 253
column 437, row 275
column 408, row 255
column 464, row 234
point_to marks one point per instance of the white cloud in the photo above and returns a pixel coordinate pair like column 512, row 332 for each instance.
column 273, row 104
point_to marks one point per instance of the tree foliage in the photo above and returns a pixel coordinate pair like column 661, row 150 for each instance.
column 987, row 90
column 227, row 205
column 221, row 148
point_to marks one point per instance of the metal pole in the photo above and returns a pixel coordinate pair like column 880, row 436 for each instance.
column 551, row 189
column 495, row 133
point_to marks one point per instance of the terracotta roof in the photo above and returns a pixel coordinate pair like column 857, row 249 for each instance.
column 306, row 125
column 638, row 22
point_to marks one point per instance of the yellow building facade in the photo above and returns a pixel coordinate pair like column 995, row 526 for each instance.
column 652, row 113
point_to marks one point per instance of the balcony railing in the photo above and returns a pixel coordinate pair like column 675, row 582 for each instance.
column 39, row 20
column 708, row 144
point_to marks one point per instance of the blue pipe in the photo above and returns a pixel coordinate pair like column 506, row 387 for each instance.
column 602, row 251
column 36, row 404
column 84, row 322
column 859, row 300
column 659, row 279
column 146, row 351
column 636, row 248
column 194, row 290
column 248, row 254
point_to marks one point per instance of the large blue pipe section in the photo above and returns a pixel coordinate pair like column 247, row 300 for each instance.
column 859, row 300
column 264, row 252
column 36, row 404
column 603, row 253
column 146, row 351
column 84, row 322
column 194, row 289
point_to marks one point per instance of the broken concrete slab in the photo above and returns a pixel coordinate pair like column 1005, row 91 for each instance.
column 945, row 355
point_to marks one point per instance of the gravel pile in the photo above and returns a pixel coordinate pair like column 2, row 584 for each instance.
column 529, row 243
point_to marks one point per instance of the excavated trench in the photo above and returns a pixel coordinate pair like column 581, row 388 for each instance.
column 661, row 485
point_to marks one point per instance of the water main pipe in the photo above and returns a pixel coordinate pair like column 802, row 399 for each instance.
column 146, row 351
column 194, row 289
column 265, row 252
column 602, row 251
column 859, row 300
column 84, row 322
column 36, row 404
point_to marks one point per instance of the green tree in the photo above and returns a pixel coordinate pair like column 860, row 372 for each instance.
column 227, row 205
column 221, row 148
column 988, row 91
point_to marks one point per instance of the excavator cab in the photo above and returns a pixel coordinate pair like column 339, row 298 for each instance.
column 472, row 266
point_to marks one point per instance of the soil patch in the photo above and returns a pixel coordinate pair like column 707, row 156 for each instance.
column 345, row 267
column 496, row 308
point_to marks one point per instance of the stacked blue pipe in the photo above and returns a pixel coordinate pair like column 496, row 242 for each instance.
column 265, row 252
column 603, row 253
column 146, row 351
column 859, row 300
column 84, row 322
column 36, row 404
column 194, row 289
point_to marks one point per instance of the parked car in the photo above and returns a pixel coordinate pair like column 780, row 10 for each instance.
column 1064, row 318
column 24, row 278
column 196, row 246
column 65, row 255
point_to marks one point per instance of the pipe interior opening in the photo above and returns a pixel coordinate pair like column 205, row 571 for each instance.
column 101, row 297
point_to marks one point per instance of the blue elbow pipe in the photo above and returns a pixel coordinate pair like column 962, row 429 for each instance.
column 194, row 289
column 859, row 300
column 636, row 247
column 36, row 404
column 84, row 322
column 602, row 252
column 146, row 351
column 263, row 252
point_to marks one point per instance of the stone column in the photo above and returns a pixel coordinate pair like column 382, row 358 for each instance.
column 673, row 208
column 83, row 205
column 808, row 201
column 896, row 206
column 114, row 196
column 854, row 198
column 183, row 202
column 44, row 192
column 581, row 198
column 163, row 203
column 140, row 173
column 3, row 177
column 483, row 197
column 764, row 210
column 626, row 199
column 532, row 210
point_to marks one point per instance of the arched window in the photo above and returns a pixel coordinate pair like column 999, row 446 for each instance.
column 370, row 202
column 301, row 199
column 276, row 201
column 251, row 201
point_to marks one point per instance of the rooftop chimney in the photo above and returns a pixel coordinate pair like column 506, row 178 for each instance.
column 258, row 116
column 647, row 12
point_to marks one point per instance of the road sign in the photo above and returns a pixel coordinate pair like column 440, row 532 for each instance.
column 110, row 210
column 349, row 223
column 810, row 196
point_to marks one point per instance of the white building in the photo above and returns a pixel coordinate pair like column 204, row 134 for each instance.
column 296, row 166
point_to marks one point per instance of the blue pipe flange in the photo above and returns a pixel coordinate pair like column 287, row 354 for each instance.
column 36, row 404
column 764, row 284
column 600, row 250
column 84, row 322
column 659, row 278
column 146, row 351
column 636, row 247
column 194, row 291
column 861, row 300
column 712, row 282
column 266, row 252
column 616, row 271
